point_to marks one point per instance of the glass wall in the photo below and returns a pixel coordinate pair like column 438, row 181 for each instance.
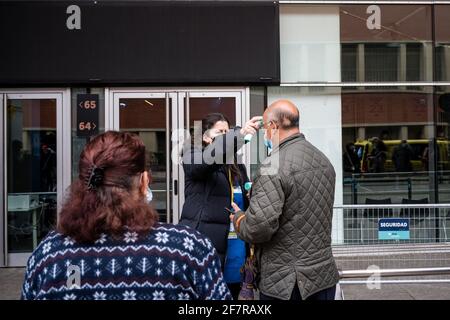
column 442, row 49
column 146, row 117
column 309, row 43
column 388, row 142
column 442, row 102
column 258, row 151
column 363, row 43
column 387, row 135
column 386, row 43
column 386, row 147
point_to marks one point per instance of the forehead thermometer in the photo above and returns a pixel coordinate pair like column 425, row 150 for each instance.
column 248, row 137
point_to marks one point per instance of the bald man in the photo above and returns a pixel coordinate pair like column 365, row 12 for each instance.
column 290, row 213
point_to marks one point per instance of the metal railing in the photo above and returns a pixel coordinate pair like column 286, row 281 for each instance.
column 374, row 277
column 427, row 223
column 351, row 274
column 396, row 185
column 359, row 244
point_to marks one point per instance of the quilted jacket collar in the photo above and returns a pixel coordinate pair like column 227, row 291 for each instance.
column 297, row 136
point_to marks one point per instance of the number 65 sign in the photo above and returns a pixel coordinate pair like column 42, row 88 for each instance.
column 87, row 115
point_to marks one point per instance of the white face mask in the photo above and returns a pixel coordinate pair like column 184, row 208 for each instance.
column 149, row 195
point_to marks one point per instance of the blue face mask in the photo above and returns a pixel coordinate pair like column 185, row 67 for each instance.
column 268, row 143
column 149, row 195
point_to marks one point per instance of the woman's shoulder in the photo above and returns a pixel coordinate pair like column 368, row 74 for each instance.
column 48, row 246
column 51, row 241
column 162, row 235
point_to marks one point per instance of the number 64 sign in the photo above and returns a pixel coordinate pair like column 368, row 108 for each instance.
column 87, row 115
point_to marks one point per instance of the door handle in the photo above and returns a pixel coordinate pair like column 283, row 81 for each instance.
column 175, row 187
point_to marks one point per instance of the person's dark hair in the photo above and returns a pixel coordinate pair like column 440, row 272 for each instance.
column 211, row 119
column 285, row 119
column 349, row 145
column 105, row 198
column 207, row 123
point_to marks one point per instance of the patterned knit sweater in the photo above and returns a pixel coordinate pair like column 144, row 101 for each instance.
column 171, row 263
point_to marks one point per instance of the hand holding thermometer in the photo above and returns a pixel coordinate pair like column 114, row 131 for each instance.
column 259, row 122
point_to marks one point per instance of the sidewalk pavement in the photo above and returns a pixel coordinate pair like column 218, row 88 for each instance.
column 11, row 281
column 433, row 291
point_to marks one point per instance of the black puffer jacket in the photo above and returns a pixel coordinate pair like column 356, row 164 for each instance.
column 207, row 189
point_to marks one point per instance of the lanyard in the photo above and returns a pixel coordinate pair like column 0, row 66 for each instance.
column 231, row 185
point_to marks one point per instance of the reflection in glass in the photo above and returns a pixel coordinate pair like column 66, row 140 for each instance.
column 31, row 176
column 201, row 107
column 390, row 156
column 442, row 98
column 399, row 50
column 387, row 136
column 442, row 50
column 147, row 118
column 258, row 151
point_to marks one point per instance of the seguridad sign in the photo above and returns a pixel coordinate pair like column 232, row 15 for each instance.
column 393, row 229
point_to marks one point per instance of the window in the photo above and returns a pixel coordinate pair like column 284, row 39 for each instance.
column 442, row 26
column 399, row 50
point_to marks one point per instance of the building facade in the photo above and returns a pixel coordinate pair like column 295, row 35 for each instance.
column 371, row 80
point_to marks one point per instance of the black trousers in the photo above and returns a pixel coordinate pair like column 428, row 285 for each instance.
column 327, row 294
column 235, row 288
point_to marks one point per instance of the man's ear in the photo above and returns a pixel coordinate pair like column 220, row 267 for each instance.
column 275, row 126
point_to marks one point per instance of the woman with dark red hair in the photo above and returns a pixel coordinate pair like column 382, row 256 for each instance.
column 108, row 243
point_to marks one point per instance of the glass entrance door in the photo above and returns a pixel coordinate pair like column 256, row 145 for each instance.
column 149, row 115
column 196, row 104
column 33, row 169
column 161, row 118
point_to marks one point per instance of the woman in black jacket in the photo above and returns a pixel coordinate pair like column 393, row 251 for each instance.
column 211, row 171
